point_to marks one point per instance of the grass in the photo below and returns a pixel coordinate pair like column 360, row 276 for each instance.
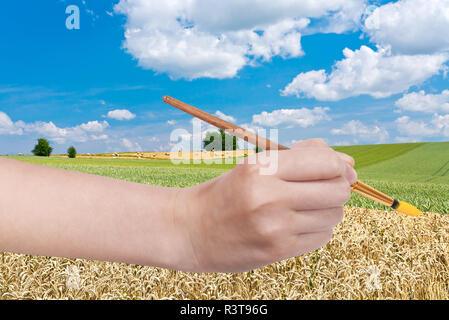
column 413, row 172
column 417, row 173
column 372, row 154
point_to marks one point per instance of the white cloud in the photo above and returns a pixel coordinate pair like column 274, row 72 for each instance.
column 100, row 137
column 130, row 146
column 414, row 128
column 94, row 126
column 263, row 132
column 411, row 26
column 342, row 143
column 441, row 122
column 422, row 102
column 303, row 117
column 206, row 127
column 121, row 114
column 7, row 126
column 365, row 71
column 225, row 117
column 171, row 122
column 79, row 133
column 183, row 39
column 406, row 139
column 438, row 126
column 362, row 132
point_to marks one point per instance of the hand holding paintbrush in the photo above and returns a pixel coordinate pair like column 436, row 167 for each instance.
column 358, row 187
column 236, row 222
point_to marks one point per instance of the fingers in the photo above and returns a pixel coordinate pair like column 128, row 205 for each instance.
column 312, row 221
column 319, row 143
column 309, row 242
column 308, row 195
column 308, row 164
column 346, row 158
column 312, row 195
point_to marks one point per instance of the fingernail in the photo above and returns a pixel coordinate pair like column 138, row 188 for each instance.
column 350, row 174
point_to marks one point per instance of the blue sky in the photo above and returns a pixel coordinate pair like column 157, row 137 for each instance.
column 282, row 68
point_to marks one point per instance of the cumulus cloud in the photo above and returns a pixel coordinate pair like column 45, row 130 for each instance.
column 365, row 71
column 121, row 114
column 303, row 117
column 100, row 137
column 253, row 128
column 94, row 126
column 438, row 126
column 441, row 122
column 422, row 102
column 362, row 132
column 79, row 133
column 341, row 143
column 7, row 127
column 410, row 26
column 183, row 38
column 130, row 146
column 225, row 117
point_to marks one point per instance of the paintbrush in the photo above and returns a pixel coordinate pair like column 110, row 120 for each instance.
column 358, row 187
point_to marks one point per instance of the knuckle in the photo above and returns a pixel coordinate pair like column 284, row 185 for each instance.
column 243, row 169
column 247, row 171
column 268, row 230
column 255, row 195
column 334, row 162
column 352, row 160
column 252, row 199
column 317, row 142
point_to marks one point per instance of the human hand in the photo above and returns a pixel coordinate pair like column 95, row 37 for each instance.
column 243, row 219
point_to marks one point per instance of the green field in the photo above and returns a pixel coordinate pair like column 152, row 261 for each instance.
column 414, row 172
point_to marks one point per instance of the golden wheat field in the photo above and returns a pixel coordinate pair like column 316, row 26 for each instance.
column 373, row 255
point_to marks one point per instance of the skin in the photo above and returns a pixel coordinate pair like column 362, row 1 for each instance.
column 236, row 222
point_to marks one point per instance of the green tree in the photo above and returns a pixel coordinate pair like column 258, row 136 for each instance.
column 71, row 152
column 42, row 148
column 220, row 141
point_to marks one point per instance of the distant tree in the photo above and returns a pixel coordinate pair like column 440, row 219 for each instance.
column 71, row 152
column 219, row 141
column 42, row 148
column 258, row 149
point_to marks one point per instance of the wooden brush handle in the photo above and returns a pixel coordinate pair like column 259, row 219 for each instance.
column 359, row 187
column 237, row 131
column 371, row 193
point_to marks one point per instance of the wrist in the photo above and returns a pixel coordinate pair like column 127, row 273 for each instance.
column 185, row 212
